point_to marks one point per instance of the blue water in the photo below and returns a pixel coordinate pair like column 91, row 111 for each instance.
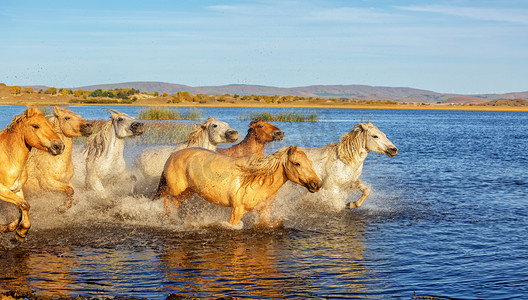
column 446, row 217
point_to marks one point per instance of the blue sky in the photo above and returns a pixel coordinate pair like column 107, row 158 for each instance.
column 457, row 46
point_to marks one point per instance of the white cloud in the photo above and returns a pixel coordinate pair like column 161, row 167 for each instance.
column 519, row 16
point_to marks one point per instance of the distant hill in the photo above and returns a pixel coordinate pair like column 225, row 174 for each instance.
column 355, row 92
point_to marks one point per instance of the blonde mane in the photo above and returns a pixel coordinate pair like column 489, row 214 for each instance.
column 348, row 148
column 18, row 118
column 97, row 142
column 257, row 167
column 196, row 135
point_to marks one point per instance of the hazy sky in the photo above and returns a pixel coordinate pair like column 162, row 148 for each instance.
column 459, row 46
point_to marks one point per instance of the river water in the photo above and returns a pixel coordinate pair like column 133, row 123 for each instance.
column 446, row 217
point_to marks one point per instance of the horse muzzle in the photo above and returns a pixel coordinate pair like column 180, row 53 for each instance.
column 278, row 135
column 392, row 151
column 56, row 147
column 86, row 129
column 136, row 128
column 314, row 186
column 231, row 136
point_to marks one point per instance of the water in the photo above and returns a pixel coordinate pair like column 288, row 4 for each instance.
column 446, row 217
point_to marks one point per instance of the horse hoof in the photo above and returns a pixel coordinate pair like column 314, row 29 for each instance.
column 352, row 205
column 19, row 237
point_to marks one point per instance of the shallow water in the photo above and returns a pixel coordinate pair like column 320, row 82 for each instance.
column 446, row 217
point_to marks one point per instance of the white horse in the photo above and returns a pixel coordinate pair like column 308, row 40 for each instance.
column 149, row 164
column 339, row 165
column 104, row 150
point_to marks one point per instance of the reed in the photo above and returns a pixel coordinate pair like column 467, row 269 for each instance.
column 154, row 133
column 163, row 113
column 292, row 116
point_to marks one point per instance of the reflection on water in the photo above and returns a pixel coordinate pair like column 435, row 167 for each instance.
column 447, row 217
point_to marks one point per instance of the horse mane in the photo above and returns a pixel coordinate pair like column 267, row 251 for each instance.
column 96, row 143
column 348, row 148
column 31, row 111
column 195, row 137
column 261, row 166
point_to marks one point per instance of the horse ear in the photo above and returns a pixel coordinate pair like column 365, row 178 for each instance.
column 31, row 110
column 364, row 126
column 113, row 112
column 57, row 111
column 292, row 150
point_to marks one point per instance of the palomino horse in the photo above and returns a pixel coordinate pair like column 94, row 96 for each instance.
column 149, row 164
column 104, row 150
column 50, row 172
column 259, row 133
column 245, row 183
column 340, row 164
column 27, row 130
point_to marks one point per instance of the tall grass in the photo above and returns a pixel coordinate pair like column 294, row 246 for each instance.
column 163, row 113
column 154, row 132
column 292, row 116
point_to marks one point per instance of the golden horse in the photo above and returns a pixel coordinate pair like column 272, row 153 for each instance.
column 245, row 183
column 50, row 172
column 259, row 134
column 26, row 131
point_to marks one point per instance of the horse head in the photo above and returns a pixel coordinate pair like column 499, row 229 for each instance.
column 265, row 132
column 376, row 140
column 70, row 123
column 125, row 125
column 220, row 132
column 298, row 169
column 38, row 132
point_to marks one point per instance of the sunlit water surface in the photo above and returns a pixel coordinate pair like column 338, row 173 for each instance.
column 446, row 217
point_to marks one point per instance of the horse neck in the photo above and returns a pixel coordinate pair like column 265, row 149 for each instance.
column 115, row 145
column 14, row 143
column 203, row 142
column 353, row 151
column 251, row 144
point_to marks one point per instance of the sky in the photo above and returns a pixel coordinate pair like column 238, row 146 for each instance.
column 451, row 46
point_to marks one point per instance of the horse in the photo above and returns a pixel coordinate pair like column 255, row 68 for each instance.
column 54, row 172
column 149, row 164
column 243, row 183
column 104, row 151
column 259, row 133
column 339, row 165
column 26, row 131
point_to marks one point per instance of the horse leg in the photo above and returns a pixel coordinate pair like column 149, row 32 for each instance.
column 366, row 192
column 66, row 188
column 94, row 183
column 236, row 214
column 22, row 223
column 265, row 214
column 175, row 199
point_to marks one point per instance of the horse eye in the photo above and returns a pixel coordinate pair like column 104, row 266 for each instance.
column 375, row 136
column 119, row 119
column 66, row 118
column 260, row 126
column 36, row 126
column 298, row 164
column 214, row 125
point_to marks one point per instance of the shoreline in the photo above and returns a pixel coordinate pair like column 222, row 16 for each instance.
column 288, row 105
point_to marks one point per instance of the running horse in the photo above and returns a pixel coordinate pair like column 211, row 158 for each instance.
column 54, row 172
column 340, row 164
column 104, row 151
column 259, row 134
column 26, row 131
column 149, row 164
column 244, row 183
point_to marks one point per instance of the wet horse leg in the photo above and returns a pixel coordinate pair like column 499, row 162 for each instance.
column 366, row 192
column 175, row 199
column 66, row 188
column 265, row 214
column 21, row 225
column 236, row 214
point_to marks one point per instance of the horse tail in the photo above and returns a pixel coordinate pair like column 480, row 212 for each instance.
column 161, row 186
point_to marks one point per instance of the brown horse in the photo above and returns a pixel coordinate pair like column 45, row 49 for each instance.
column 259, row 133
column 27, row 130
column 50, row 172
column 245, row 183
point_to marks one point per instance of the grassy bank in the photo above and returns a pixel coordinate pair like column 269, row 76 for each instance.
column 163, row 113
column 292, row 116
column 154, row 132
